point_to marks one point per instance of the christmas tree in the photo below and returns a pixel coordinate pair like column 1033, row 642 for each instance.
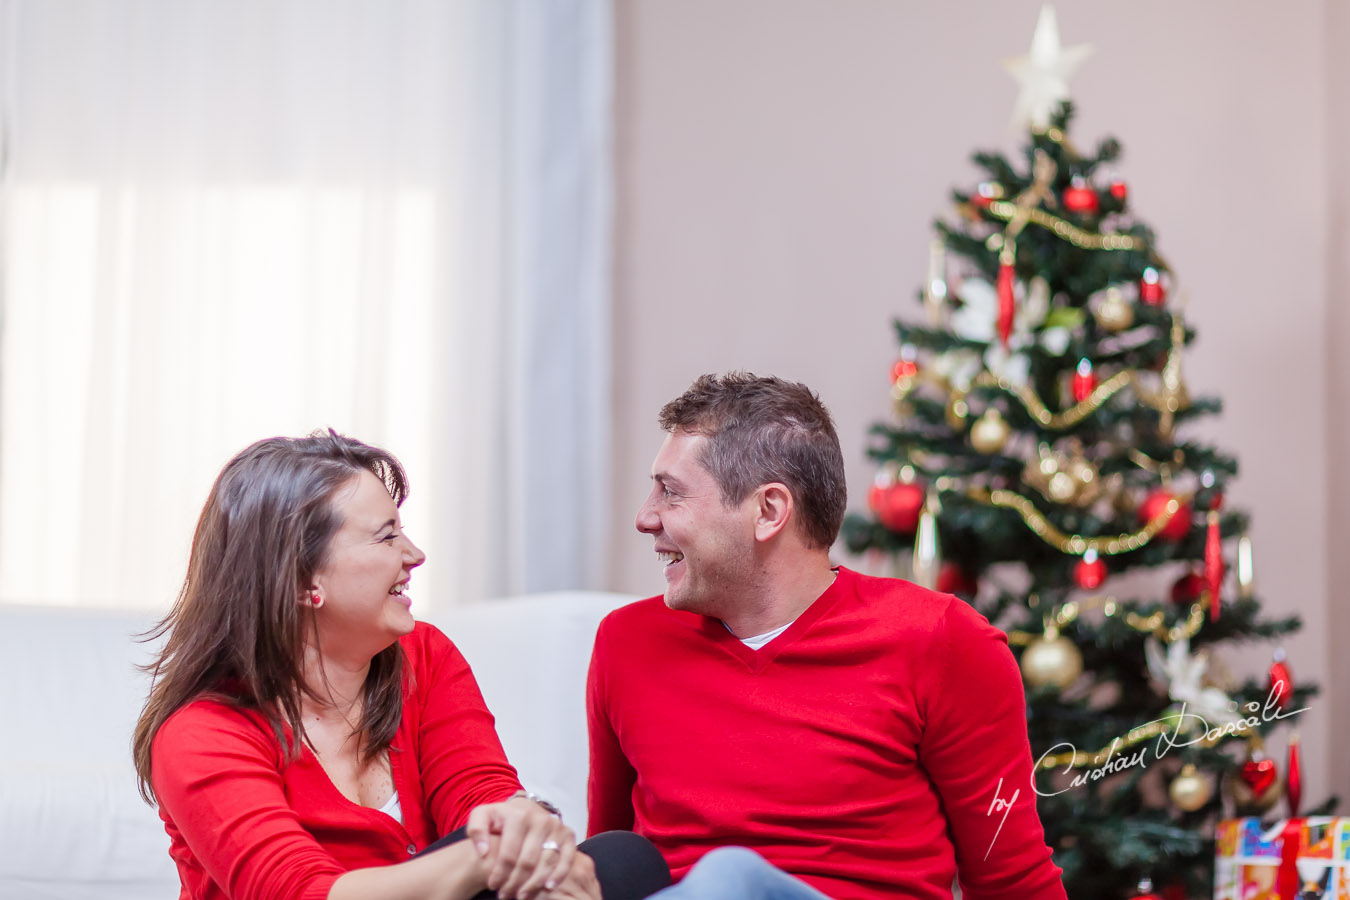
column 1043, row 454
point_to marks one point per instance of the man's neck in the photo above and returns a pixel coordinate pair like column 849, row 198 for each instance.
column 791, row 593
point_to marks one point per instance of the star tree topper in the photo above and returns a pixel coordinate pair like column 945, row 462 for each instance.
column 1043, row 73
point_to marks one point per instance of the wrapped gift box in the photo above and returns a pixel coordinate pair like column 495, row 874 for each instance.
column 1297, row 859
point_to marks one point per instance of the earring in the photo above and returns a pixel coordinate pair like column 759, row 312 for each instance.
column 316, row 600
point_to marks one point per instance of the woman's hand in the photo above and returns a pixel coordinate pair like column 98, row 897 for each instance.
column 536, row 851
column 580, row 882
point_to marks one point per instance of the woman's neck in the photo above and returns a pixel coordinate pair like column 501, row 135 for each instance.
column 336, row 687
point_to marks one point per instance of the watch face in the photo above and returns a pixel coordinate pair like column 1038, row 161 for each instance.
column 545, row 804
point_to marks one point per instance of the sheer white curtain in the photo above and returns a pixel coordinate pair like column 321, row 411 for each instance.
column 228, row 219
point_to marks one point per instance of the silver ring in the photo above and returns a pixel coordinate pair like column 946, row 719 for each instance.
column 550, row 845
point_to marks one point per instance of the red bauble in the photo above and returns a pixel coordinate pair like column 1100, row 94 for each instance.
column 1084, row 382
column 952, row 579
column 1155, row 505
column 1188, row 588
column 1119, row 190
column 1281, row 688
column 897, row 505
column 1258, row 775
column 1151, row 289
column 1090, row 571
column 903, row 368
column 1080, row 198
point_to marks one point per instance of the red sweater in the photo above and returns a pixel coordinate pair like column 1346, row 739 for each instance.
column 244, row 824
column 860, row 750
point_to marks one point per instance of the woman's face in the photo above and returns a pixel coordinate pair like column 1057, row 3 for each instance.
column 364, row 583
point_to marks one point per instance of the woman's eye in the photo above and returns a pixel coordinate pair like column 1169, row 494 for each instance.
column 390, row 536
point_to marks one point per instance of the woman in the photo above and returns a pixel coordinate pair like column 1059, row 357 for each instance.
column 306, row 737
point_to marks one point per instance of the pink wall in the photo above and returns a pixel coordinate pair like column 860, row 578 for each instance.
column 780, row 161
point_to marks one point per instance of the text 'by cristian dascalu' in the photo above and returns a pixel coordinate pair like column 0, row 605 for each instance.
column 1179, row 724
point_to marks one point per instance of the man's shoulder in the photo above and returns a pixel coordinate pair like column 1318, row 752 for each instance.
column 901, row 602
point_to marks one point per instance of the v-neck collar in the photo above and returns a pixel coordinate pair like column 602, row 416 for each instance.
column 756, row 660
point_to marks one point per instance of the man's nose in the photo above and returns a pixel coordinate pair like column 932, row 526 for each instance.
column 647, row 521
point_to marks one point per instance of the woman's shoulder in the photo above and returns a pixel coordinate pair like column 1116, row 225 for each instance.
column 428, row 646
column 211, row 719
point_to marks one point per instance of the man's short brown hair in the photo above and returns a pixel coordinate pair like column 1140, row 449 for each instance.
column 762, row 430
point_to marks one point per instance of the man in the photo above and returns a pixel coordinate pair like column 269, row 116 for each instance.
column 864, row 735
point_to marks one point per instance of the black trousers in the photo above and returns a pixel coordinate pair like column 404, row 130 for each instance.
column 627, row 866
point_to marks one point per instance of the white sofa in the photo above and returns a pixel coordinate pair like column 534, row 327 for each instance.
column 72, row 826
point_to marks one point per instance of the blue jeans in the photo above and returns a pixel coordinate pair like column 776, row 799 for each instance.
column 735, row 873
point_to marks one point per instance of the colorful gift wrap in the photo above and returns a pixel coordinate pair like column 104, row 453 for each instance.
column 1296, row 859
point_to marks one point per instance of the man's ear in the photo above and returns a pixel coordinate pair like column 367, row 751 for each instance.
column 774, row 507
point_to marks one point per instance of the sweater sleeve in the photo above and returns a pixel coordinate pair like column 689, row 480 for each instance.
column 609, row 790
column 217, row 778
column 462, row 764
column 975, row 749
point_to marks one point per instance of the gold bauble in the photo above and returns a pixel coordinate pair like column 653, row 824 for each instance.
column 1245, row 801
column 990, row 432
column 1190, row 790
column 1061, row 488
column 1051, row 660
column 1114, row 312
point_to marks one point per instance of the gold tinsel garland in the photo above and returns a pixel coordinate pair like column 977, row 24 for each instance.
column 1087, row 240
column 1154, row 624
column 1033, row 404
column 1076, row 544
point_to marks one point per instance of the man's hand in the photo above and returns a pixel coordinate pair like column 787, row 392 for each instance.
column 535, row 852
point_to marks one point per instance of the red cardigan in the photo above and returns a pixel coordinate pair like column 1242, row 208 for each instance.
column 243, row 824
column 860, row 750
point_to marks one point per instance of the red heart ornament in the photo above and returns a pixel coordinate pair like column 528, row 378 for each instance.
column 1259, row 776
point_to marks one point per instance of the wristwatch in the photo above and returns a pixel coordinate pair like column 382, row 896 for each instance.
column 535, row 798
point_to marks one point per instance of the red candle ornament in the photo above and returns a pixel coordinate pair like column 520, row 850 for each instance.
column 1155, row 505
column 1090, row 571
column 1079, row 197
column 1214, row 558
column 1293, row 777
column 1151, row 289
column 1084, row 382
column 1006, row 306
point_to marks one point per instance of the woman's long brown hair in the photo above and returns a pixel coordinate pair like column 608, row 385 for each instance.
column 237, row 630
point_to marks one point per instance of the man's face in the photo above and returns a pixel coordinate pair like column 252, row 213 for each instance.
column 706, row 547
